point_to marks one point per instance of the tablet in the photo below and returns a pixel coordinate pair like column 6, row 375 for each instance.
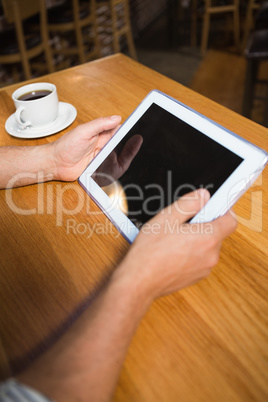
column 162, row 151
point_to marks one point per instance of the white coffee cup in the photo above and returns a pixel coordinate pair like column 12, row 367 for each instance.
column 41, row 109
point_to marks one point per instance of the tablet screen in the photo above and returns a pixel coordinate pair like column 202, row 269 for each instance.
column 171, row 159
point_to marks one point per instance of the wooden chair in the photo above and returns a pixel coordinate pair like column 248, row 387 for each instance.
column 256, row 53
column 252, row 6
column 210, row 10
column 74, row 19
column 119, row 20
column 18, row 47
column 125, row 29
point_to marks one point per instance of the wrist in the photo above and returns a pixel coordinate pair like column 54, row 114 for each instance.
column 128, row 276
column 50, row 163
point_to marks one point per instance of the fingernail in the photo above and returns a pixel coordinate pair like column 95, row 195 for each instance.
column 115, row 117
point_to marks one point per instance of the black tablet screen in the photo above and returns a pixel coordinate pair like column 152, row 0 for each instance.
column 173, row 159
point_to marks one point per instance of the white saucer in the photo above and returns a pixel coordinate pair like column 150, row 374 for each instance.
column 67, row 114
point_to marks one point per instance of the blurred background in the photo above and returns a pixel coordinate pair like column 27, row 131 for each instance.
column 218, row 48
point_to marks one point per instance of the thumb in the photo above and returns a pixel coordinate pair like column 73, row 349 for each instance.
column 101, row 124
column 190, row 204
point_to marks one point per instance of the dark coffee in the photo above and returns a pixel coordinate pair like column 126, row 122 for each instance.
column 33, row 95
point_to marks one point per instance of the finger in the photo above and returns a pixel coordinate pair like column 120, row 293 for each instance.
column 225, row 225
column 114, row 130
column 189, row 205
column 105, row 136
column 101, row 124
column 129, row 151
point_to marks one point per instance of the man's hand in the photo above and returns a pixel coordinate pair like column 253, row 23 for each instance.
column 75, row 150
column 86, row 362
column 64, row 159
column 170, row 254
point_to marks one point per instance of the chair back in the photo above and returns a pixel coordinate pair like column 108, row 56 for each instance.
column 16, row 11
column 26, row 9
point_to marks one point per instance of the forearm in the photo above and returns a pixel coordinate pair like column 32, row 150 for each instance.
column 84, row 365
column 20, row 166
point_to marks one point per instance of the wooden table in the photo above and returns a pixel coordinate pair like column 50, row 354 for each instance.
column 206, row 343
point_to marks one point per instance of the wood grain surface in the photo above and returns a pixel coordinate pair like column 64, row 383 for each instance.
column 206, row 343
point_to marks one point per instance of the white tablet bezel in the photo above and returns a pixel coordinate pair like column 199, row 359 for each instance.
column 223, row 199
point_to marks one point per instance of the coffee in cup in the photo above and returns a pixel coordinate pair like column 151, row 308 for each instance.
column 36, row 105
column 33, row 95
